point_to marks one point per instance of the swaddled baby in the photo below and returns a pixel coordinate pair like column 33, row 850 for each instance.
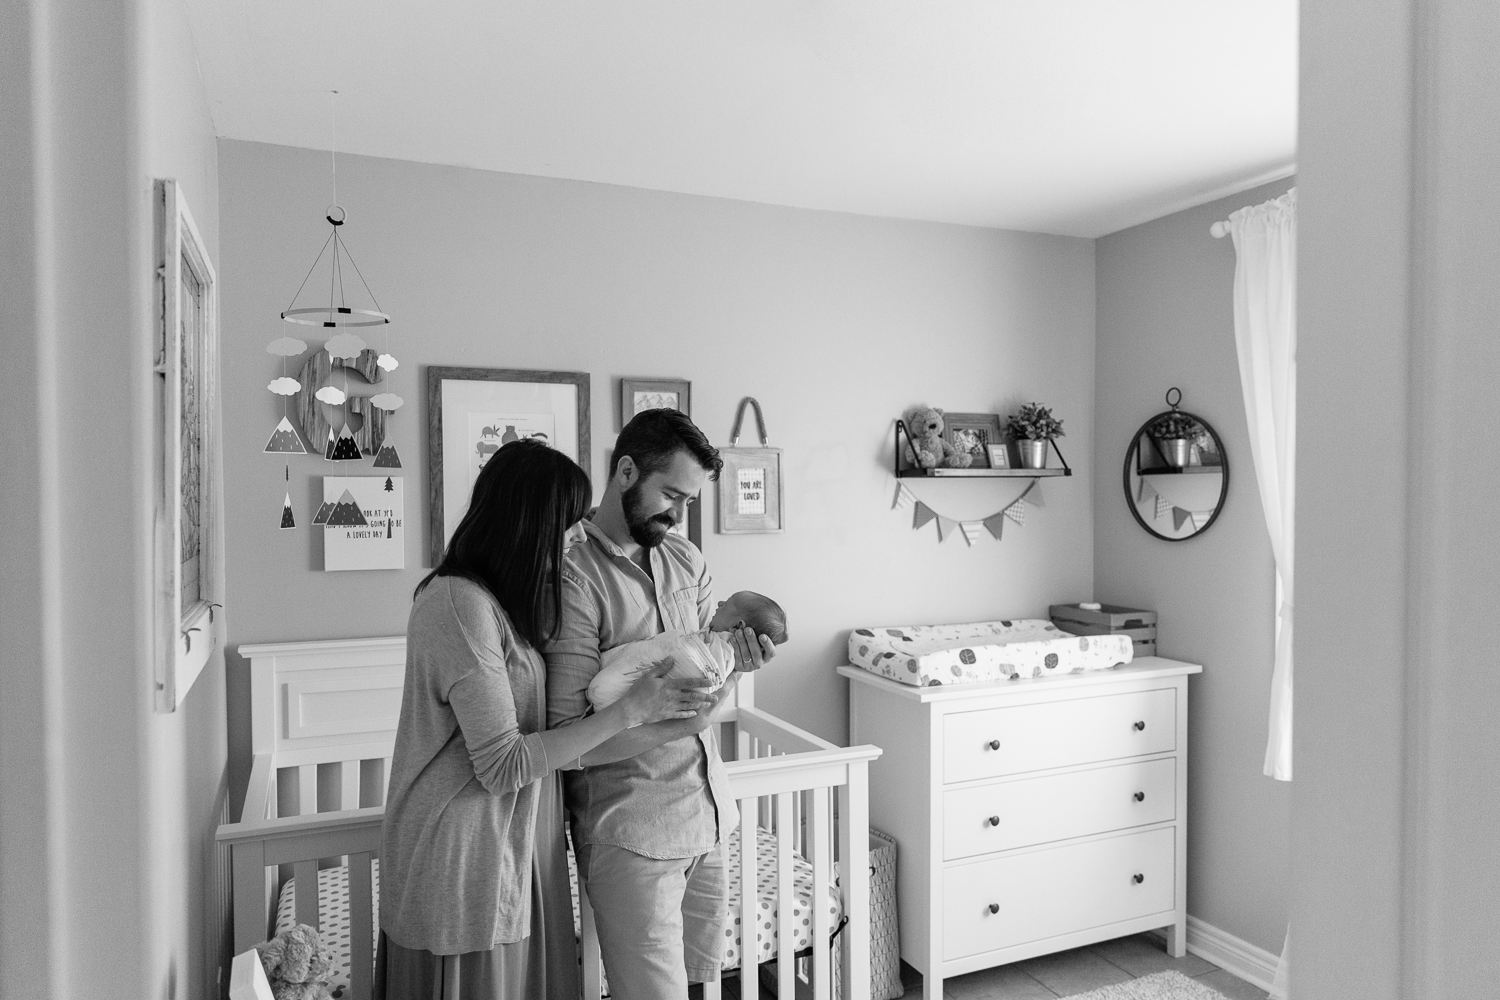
column 709, row 653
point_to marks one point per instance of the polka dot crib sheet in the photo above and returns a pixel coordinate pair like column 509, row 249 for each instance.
column 926, row 655
column 333, row 918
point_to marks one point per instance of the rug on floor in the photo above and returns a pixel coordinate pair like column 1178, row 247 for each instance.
column 1157, row 986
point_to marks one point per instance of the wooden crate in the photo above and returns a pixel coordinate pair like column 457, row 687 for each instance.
column 1109, row 617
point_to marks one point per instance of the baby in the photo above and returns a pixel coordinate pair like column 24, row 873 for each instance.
column 709, row 653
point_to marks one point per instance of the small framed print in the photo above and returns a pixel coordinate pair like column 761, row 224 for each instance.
column 972, row 434
column 999, row 456
column 637, row 394
column 750, row 492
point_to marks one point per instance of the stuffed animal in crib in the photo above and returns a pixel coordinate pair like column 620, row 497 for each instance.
column 296, row 964
column 927, row 447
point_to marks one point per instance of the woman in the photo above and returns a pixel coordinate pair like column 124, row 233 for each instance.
column 474, row 896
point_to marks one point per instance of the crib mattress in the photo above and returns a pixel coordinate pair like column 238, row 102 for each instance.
column 333, row 907
column 924, row 655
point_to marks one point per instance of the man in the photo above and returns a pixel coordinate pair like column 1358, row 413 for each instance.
column 651, row 807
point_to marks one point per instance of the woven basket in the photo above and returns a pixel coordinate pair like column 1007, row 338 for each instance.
column 885, row 944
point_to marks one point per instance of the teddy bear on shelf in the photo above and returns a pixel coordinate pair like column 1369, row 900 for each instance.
column 296, row 964
column 926, row 447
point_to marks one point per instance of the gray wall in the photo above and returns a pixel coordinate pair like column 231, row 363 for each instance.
column 1165, row 318
column 106, row 808
column 835, row 322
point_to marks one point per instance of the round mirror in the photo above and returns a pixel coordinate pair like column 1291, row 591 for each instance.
column 1176, row 473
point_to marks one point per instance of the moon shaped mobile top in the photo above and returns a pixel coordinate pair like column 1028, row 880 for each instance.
column 338, row 312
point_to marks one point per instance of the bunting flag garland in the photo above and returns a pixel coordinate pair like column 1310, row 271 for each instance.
column 1178, row 517
column 922, row 515
column 1162, row 506
column 1140, row 494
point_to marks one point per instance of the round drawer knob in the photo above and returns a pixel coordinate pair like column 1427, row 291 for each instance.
column 993, row 744
column 1140, row 796
column 1139, row 726
column 994, row 821
column 1138, row 878
column 994, row 907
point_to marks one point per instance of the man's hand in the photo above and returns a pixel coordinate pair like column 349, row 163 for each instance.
column 751, row 651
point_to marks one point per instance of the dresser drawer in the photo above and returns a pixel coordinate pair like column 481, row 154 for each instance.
column 1030, row 811
column 1029, row 897
column 1000, row 741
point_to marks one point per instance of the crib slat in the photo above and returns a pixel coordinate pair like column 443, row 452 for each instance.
column 749, row 903
column 820, row 822
column 349, row 784
column 361, row 920
column 306, row 874
column 250, row 917
column 786, row 963
column 854, row 858
column 713, row 990
column 307, row 789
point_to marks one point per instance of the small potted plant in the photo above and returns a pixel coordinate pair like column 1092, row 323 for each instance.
column 1032, row 428
column 1173, row 433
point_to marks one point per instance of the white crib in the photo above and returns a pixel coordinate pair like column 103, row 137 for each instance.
column 323, row 722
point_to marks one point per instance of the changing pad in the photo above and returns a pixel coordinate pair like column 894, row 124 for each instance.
column 924, row 655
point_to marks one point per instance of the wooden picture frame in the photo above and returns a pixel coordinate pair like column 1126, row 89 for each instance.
column 751, row 498
column 637, row 394
column 471, row 412
column 972, row 434
column 999, row 455
column 188, row 554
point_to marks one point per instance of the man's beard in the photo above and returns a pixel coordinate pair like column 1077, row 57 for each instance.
column 648, row 532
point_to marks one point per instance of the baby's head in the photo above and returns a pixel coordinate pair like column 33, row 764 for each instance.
column 757, row 611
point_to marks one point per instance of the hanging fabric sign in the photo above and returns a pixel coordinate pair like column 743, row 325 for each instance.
column 750, row 487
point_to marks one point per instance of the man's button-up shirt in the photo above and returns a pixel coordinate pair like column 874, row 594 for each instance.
column 672, row 801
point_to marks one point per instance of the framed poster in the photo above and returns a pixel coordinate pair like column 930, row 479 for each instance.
column 472, row 412
column 637, row 394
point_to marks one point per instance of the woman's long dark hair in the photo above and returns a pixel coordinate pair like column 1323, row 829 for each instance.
column 511, row 538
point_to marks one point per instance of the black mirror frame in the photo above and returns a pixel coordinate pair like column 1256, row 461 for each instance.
column 1130, row 453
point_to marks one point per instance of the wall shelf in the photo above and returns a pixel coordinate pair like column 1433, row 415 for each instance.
column 903, row 471
column 1187, row 470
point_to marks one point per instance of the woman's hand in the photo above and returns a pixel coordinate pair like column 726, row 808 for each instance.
column 751, row 651
column 655, row 697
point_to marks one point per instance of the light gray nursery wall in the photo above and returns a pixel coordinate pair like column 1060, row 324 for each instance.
column 1165, row 318
column 834, row 322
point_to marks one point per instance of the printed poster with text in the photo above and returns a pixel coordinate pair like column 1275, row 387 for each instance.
column 365, row 529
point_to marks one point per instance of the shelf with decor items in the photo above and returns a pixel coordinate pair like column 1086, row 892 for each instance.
column 903, row 470
column 1031, row 816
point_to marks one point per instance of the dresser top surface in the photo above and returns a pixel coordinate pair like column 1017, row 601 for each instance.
column 1145, row 668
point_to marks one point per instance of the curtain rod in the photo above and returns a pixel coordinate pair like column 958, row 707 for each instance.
column 1219, row 230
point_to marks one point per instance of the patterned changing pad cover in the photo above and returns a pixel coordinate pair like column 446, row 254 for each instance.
column 925, row 655
column 333, row 907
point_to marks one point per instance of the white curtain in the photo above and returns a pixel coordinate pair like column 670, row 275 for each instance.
column 1265, row 333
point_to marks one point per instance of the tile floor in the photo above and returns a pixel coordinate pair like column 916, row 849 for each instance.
column 1071, row 972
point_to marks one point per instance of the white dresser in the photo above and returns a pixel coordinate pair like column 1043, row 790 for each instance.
column 1030, row 816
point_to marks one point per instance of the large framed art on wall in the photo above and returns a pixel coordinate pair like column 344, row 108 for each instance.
column 471, row 412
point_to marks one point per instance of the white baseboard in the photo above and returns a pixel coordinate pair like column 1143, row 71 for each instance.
column 1251, row 963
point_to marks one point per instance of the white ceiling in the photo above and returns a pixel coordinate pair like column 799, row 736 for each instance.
column 1078, row 117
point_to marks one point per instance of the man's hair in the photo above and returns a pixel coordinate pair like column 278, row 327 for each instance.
column 764, row 615
column 653, row 436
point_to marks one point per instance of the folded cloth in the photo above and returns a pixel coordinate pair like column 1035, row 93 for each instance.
column 693, row 654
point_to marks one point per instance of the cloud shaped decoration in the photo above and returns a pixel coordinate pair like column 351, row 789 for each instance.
column 330, row 394
column 387, row 401
column 387, row 362
column 345, row 345
column 286, row 347
column 285, row 386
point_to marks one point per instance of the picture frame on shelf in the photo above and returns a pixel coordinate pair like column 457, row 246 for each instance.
column 972, row 434
column 472, row 412
column 637, row 394
column 999, row 455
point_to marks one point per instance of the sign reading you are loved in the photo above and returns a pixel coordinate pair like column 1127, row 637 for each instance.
column 751, row 497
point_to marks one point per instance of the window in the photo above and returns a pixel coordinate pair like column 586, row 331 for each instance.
column 189, row 535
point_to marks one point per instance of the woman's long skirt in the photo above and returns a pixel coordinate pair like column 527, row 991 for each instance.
column 543, row 965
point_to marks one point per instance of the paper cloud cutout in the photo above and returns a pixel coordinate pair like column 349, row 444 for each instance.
column 387, row 362
column 387, row 401
column 345, row 345
column 330, row 394
column 285, row 386
column 286, row 347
